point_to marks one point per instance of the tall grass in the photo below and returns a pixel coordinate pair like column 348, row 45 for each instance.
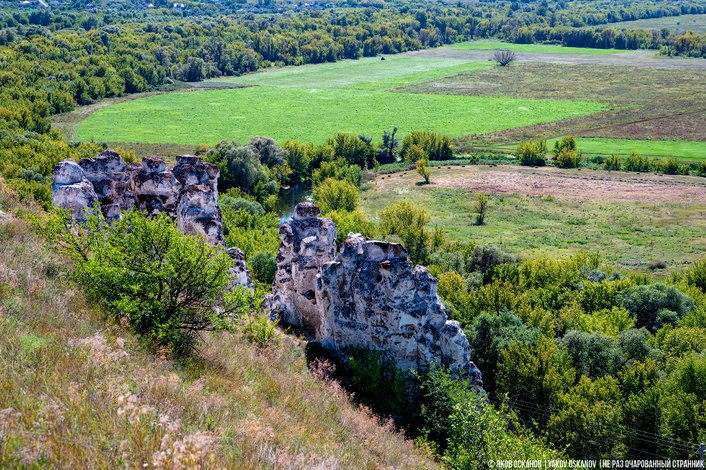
column 78, row 392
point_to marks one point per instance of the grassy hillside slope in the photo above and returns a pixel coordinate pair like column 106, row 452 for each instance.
column 77, row 392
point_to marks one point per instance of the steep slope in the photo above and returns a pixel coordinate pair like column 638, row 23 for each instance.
column 78, row 392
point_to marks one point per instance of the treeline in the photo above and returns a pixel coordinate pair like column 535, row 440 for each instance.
column 567, row 154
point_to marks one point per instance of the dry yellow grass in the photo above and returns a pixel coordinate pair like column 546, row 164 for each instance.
column 77, row 392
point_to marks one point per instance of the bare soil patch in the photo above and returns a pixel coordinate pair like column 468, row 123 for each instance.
column 549, row 181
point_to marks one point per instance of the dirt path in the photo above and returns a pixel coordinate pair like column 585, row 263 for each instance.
column 632, row 58
column 549, row 181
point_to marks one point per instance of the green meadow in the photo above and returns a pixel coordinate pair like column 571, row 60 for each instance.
column 531, row 226
column 311, row 103
column 547, row 48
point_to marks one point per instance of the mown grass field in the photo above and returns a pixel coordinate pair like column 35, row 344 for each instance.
column 547, row 48
column 312, row 103
column 557, row 217
column 675, row 24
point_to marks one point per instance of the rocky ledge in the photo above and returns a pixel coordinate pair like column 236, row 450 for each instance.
column 367, row 295
column 188, row 193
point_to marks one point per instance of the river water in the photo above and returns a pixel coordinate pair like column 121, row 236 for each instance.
column 289, row 199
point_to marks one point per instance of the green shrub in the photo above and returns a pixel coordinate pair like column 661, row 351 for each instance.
column 477, row 432
column 612, row 162
column 491, row 333
column 354, row 149
column 481, row 202
column 669, row 166
column 635, row 162
column 594, row 408
column 435, row 146
column 336, row 195
column 423, row 170
column 485, row 258
column 260, row 330
column 566, row 143
column 408, row 222
column 532, row 152
column 238, row 203
column 700, row 169
column 655, row 304
column 263, row 266
column 165, row 284
column 355, row 222
column 593, row 354
column 378, row 383
column 337, row 169
column 695, row 276
column 568, row 158
column 251, row 232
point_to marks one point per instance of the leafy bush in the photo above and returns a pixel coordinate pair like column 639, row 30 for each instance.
column 251, row 232
column 378, row 383
column 491, row 333
column 299, row 158
column 352, row 222
column 612, row 162
column 423, row 170
column 592, row 407
column 655, row 304
column 568, row 159
column 481, row 201
column 566, row 143
column 532, row 152
column 165, row 284
column 263, row 266
column 239, row 165
column 695, row 276
column 336, row 195
column 435, row 146
column 260, row 330
column 635, row 162
column 610, row 322
column 593, row 354
column 408, row 222
column 485, row 258
column 354, row 149
column 238, row 203
column 337, row 169
column 700, row 169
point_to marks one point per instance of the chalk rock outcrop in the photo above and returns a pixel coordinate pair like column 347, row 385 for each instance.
column 109, row 176
column 71, row 190
column 156, row 189
column 187, row 193
column 367, row 296
column 308, row 244
column 239, row 273
column 197, row 211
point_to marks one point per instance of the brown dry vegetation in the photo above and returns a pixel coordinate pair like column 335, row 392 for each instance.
column 649, row 103
column 584, row 184
column 77, row 392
